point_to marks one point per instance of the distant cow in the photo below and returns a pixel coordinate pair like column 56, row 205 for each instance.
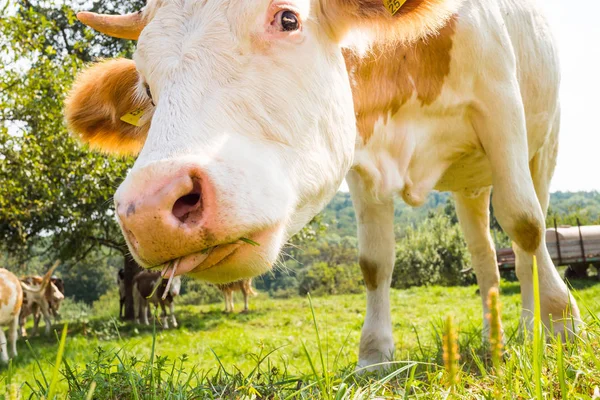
column 121, row 285
column 42, row 296
column 244, row 286
column 11, row 299
column 144, row 284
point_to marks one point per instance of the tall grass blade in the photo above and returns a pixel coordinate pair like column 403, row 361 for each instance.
column 495, row 324
column 90, row 393
column 537, row 333
column 37, row 362
column 561, row 369
column 451, row 355
column 323, row 365
column 59, row 356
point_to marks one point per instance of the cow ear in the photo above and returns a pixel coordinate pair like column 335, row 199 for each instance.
column 100, row 97
column 411, row 19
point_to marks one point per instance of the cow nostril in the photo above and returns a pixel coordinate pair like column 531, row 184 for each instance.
column 188, row 203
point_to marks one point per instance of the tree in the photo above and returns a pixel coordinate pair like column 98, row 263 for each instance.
column 52, row 190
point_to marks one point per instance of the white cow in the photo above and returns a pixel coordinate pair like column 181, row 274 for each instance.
column 245, row 115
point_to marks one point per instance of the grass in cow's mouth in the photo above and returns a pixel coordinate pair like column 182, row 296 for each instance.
column 242, row 239
column 249, row 241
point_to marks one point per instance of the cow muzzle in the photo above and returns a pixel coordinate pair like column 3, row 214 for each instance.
column 174, row 219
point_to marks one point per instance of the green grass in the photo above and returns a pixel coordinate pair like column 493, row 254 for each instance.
column 288, row 349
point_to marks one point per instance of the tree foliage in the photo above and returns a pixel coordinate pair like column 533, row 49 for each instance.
column 51, row 186
column 434, row 253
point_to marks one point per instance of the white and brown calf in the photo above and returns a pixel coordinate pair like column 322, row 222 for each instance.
column 41, row 295
column 253, row 111
column 11, row 299
column 149, row 287
column 40, row 299
column 244, row 286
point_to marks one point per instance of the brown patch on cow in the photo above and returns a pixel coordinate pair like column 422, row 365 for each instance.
column 19, row 302
column 389, row 75
column 146, row 280
column 528, row 233
column 101, row 95
column 5, row 291
column 414, row 20
column 369, row 271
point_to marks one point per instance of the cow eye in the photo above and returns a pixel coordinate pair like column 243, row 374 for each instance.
column 149, row 93
column 287, row 21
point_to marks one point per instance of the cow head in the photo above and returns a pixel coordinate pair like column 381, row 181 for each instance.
column 175, row 287
column 241, row 114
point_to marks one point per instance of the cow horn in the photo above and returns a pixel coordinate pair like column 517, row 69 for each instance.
column 128, row 26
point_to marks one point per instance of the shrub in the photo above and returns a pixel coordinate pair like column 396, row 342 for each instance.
column 198, row 292
column 434, row 253
column 71, row 310
column 107, row 305
column 324, row 279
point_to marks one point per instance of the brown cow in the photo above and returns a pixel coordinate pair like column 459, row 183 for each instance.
column 244, row 286
column 41, row 295
column 144, row 285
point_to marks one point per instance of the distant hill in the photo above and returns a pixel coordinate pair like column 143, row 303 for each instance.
column 566, row 206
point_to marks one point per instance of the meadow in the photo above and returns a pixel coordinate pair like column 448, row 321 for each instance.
column 301, row 348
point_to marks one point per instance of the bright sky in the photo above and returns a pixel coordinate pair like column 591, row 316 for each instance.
column 576, row 27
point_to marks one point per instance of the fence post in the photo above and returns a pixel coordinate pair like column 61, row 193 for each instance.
column 581, row 242
column 557, row 243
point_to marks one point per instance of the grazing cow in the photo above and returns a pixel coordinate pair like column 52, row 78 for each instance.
column 122, row 295
column 244, row 286
column 11, row 299
column 42, row 296
column 145, row 290
column 246, row 115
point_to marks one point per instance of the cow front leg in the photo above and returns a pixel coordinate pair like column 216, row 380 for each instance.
column 165, row 321
column 376, row 246
column 144, row 312
column 245, row 293
column 121, row 308
column 37, row 316
column 474, row 218
column 13, row 335
column 22, row 322
column 172, row 310
column 517, row 200
column 231, row 301
column 47, row 319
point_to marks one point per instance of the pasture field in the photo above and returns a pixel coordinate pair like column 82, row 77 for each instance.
column 284, row 348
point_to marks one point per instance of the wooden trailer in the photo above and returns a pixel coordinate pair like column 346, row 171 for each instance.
column 576, row 247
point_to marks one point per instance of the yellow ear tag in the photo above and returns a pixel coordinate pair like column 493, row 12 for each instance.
column 134, row 117
column 393, row 5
